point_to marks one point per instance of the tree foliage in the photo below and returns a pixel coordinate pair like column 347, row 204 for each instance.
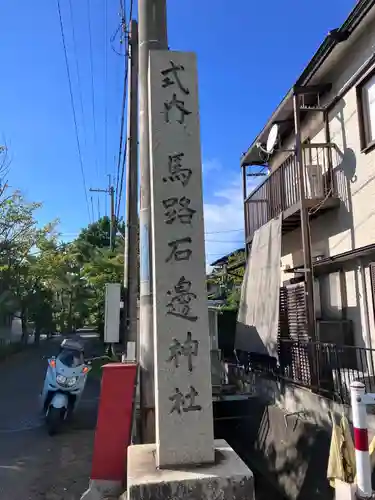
column 228, row 276
column 53, row 285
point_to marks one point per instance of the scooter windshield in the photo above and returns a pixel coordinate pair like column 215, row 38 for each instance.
column 71, row 358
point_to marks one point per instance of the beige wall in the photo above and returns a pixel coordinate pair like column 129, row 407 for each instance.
column 352, row 225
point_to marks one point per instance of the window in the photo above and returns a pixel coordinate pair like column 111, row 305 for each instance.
column 366, row 111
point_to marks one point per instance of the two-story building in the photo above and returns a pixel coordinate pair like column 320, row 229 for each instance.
column 310, row 225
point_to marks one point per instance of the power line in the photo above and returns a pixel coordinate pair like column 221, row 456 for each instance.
column 92, row 87
column 92, row 209
column 124, row 93
column 113, row 39
column 131, row 10
column 105, row 83
column 209, row 253
column 73, row 107
column 77, row 66
column 206, row 232
column 121, row 183
column 80, row 91
column 224, row 231
column 225, row 241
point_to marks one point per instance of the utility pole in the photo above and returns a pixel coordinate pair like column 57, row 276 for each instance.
column 111, row 191
column 152, row 18
column 131, row 280
column 112, row 236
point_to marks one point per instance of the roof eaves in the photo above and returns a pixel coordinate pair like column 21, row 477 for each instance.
column 355, row 17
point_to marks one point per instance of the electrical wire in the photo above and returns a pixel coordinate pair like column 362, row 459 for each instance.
column 92, row 86
column 206, row 232
column 125, row 146
column 113, row 39
column 121, row 152
column 80, row 90
column 121, row 181
column 225, row 231
column 105, row 83
column 73, row 106
column 92, row 209
column 77, row 68
column 224, row 241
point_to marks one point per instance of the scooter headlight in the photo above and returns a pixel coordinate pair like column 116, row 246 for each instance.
column 60, row 379
column 71, row 381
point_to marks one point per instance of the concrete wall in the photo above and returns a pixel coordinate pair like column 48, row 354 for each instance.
column 13, row 332
column 285, row 434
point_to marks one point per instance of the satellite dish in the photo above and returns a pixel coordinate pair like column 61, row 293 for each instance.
column 272, row 138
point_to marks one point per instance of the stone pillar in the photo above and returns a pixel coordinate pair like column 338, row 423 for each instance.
column 185, row 462
column 183, row 389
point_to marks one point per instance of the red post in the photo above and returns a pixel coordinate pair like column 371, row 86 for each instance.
column 113, row 430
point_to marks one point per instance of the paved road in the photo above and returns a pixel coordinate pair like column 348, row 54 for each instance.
column 33, row 465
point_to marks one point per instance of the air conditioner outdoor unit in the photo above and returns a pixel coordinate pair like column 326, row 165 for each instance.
column 314, row 181
column 339, row 332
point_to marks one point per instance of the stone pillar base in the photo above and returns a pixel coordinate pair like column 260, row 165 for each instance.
column 226, row 479
column 100, row 489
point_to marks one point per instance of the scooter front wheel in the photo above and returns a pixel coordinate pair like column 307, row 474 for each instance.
column 53, row 420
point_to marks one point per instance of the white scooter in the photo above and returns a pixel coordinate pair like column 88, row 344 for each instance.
column 64, row 383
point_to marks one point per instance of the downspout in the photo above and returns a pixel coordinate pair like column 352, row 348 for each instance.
column 244, row 192
column 366, row 317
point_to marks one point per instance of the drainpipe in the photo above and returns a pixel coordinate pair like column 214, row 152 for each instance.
column 244, row 194
column 366, row 318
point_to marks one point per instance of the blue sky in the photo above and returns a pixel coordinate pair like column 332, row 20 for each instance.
column 249, row 54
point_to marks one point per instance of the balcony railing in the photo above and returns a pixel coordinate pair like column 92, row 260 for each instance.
column 280, row 193
column 326, row 369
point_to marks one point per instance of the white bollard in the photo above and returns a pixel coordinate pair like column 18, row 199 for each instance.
column 362, row 456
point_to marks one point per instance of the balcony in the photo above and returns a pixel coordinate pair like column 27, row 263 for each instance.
column 279, row 193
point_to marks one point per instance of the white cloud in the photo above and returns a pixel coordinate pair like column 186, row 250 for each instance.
column 211, row 166
column 224, row 219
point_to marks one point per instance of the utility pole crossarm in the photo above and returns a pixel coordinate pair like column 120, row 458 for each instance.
column 93, row 190
column 111, row 191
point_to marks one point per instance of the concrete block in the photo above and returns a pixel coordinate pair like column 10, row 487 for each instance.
column 228, row 478
column 183, row 390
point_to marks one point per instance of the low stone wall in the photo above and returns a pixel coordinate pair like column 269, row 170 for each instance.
column 291, row 449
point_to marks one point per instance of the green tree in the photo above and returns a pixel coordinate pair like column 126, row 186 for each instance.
column 228, row 277
column 104, row 267
column 19, row 234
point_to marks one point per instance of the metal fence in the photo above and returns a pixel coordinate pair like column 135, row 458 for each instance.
column 326, row 369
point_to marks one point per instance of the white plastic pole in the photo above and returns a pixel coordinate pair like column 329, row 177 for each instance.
column 362, row 456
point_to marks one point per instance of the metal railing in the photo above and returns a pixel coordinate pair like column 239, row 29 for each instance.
column 280, row 190
column 326, row 369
